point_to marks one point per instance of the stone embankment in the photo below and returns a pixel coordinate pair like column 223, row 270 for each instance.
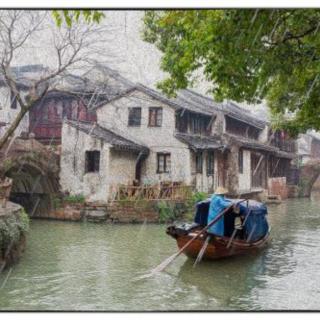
column 119, row 212
column 14, row 224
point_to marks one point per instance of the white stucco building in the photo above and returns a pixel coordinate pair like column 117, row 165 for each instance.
column 189, row 140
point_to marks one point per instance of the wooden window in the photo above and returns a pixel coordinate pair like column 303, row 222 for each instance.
column 92, row 163
column 13, row 100
column 199, row 162
column 155, row 117
column 240, row 161
column 240, row 128
column 134, row 119
column 182, row 121
column 195, row 125
column 210, row 163
column 163, row 162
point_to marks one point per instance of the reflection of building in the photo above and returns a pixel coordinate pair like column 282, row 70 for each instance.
column 190, row 139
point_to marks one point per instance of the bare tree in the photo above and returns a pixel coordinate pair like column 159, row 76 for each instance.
column 71, row 47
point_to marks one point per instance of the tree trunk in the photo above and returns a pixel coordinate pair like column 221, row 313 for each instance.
column 13, row 127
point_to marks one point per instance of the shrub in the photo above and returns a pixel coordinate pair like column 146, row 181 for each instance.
column 77, row 198
column 199, row 196
column 196, row 197
column 166, row 211
column 12, row 228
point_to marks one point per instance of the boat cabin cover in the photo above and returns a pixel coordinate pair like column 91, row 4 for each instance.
column 252, row 214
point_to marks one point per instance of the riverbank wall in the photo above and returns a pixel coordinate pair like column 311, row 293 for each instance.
column 14, row 224
column 121, row 212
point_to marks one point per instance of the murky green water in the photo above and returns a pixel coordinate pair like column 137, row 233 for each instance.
column 71, row 266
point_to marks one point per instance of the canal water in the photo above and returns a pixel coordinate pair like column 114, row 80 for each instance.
column 74, row 266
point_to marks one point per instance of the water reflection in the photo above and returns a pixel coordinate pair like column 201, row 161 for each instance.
column 225, row 280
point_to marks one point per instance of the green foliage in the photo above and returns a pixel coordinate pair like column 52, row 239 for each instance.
column 72, row 199
column 199, row 196
column 247, row 56
column 71, row 16
column 196, row 197
column 23, row 222
column 11, row 229
column 302, row 186
column 166, row 211
column 57, row 202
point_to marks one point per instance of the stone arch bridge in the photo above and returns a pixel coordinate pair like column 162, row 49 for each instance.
column 35, row 173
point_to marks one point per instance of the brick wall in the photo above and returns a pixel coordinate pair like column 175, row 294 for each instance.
column 278, row 186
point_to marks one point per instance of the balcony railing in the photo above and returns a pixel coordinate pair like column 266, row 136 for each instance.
column 150, row 192
column 287, row 145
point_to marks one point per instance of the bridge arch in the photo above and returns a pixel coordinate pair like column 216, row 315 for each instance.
column 35, row 173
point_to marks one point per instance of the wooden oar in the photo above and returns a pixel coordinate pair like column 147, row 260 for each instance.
column 169, row 260
column 202, row 251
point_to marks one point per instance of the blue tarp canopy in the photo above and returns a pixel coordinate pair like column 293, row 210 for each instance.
column 254, row 212
column 256, row 225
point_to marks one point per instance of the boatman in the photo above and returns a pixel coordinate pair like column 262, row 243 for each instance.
column 217, row 204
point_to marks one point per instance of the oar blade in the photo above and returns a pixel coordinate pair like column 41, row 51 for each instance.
column 159, row 268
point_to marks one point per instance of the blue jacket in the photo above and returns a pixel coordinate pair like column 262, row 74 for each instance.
column 217, row 205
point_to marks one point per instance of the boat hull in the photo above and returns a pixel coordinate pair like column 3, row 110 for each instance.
column 218, row 247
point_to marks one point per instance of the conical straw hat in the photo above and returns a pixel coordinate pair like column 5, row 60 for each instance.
column 221, row 190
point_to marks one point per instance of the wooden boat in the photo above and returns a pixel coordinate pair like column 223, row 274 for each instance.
column 252, row 235
column 218, row 247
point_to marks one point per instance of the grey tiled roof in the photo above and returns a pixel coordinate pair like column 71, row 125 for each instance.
column 197, row 142
column 256, row 145
column 100, row 79
column 21, row 74
column 250, row 143
column 119, row 142
column 195, row 102
column 228, row 108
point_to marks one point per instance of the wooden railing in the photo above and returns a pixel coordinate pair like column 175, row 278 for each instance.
column 150, row 192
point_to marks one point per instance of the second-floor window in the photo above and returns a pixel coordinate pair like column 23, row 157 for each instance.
column 239, row 128
column 134, row 119
column 163, row 162
column 155, row 117
column 240, row 163
column 210, row 163
column 199, row 162
column 92, row 161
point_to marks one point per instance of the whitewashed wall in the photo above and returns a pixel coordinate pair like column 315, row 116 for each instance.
column 7, row 114
column 204, row 182
column 158, row 139
column 263, row 136
column 116, row 167
column 245, row 177
column 304, row 147
column 73, row 178
column 122, row 167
